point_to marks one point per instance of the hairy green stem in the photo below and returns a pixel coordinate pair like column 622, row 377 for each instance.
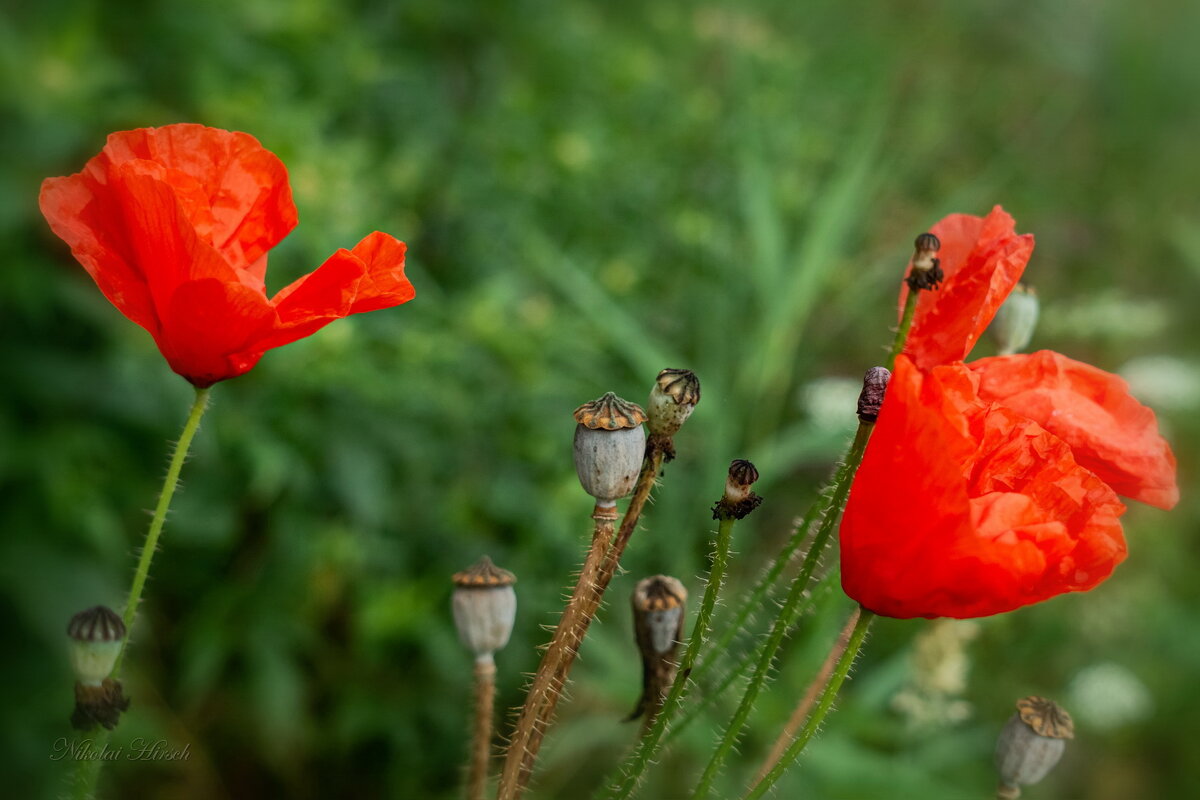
column 87, row 771
column 650, row 742
column 906, row 320
column 787, row 614
column 827, row 697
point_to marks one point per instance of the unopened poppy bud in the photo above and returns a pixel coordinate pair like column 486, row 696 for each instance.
column 658, row 614
column 609, row 445
column 738, row 500
column 97, row 636
column 926, row 266
column 1015, row 321
column 672, row 400
column 870, row 399
column 1030, row 744
column 485, row 607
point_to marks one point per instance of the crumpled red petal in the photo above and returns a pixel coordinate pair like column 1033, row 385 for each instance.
column 963, row 508
column 174, row 225
column 1110, row 432
column 982, row 258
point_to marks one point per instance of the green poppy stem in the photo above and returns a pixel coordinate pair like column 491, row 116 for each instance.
column 857, row 636
column 87, row 771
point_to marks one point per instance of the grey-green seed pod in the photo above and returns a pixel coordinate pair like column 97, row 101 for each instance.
column 609, row 445
column 1015, row 321
column 672, row 400
column 1031, row 743
column 658, row 613
column 485, row 607
column 97, row 635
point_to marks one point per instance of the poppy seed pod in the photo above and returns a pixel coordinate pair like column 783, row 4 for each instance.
column 97, row 635
column 609, row 445
column 926, row 267
column 738, row 500
column 485, row 607
column 871, row 398
column 1030, row 744
column 672, row 400
column 658, row 613
column 1015, row 321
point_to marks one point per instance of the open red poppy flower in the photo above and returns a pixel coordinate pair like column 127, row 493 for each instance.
column 174, row 225
column 992, row 485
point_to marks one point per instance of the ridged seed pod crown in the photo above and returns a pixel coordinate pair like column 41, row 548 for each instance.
column 485, row 607
column 609, row 445
column 672, row 400
column 97, row 635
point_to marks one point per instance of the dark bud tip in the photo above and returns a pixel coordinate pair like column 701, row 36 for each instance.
column 483, row 574
column 96, row 624
column 928, row 242
column 742, row 472
column 875, row 383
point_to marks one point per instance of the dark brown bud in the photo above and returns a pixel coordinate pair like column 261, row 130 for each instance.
column 609, row 445
column 1031, row 743
column 485, row 607
column 875, row 383
column 926, row 270
column 658, row 616
column 738, row 500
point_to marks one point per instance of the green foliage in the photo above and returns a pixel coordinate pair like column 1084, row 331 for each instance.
column 590, row 192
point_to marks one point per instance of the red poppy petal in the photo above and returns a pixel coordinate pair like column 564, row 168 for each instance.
column 86, row 216
column 213, row 328
column 1110, row 432
column 962, row 509
column 367, row 278
column 244, row 186
column 983, row 259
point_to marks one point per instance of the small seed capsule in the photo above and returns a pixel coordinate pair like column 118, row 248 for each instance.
column 1015, row 321
column 738, row 500
column 672, row 400
column 875, row 383
column 97, row 635
column 1031, row 743
column 609, row 445
column 485, row 607
column 926, row 266
column 658, row 615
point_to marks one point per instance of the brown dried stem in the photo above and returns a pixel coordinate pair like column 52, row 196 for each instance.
column 551, row 677
column 481, row 740
column 788, row 734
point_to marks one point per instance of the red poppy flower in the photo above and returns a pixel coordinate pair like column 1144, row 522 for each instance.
column 992, row 485
column 174, row 225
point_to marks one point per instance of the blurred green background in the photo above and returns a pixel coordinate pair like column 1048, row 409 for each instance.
column 590, row 192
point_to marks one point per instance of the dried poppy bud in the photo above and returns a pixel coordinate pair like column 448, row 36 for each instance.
column 926, row 266
column 672, row 400
column 485, row 607
column 97, row 636
column 1030, row 744
column 658, row 613
column 1015, row 321
column 609, row 445
column 871, row 398
column 738, row 500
